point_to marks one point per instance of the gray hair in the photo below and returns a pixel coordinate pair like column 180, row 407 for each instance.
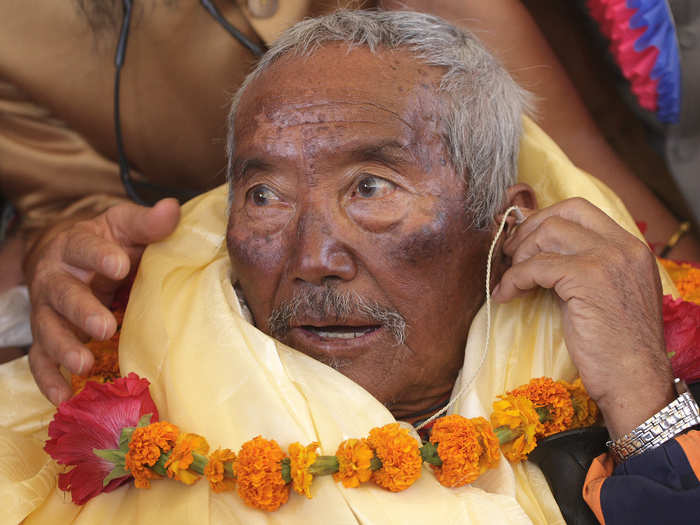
column 481, row 105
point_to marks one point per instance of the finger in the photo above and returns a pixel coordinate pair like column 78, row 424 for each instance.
column 58, row 342
column 552, row 235
column 544, row 270
column 49, row 380
column 576, row 210
column 138, row 225
column 92, row 252
column 75, row 301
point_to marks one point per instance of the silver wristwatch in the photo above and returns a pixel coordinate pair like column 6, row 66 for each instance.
column 679, row 415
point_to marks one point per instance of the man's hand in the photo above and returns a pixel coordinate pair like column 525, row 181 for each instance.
column 610, row 293
column 73, row 274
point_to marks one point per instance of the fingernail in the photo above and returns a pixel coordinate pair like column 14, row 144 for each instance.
column 112, row 265
column 96, row 326
column 496, row 289
column 57, row 396
column 74, row 362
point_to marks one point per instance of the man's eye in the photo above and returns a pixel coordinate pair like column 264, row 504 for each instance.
column 262, row 195
column 375, row 187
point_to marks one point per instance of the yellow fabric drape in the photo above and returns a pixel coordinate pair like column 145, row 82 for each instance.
column 215, row 374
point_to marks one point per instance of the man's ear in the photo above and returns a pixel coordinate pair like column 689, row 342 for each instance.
column 521, row 195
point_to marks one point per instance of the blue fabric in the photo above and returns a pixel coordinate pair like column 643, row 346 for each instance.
column 655, row 16
column 656, row 487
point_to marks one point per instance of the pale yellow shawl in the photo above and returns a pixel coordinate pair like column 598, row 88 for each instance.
column 215, row 374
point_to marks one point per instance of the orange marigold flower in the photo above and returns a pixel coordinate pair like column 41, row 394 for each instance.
column 181, row 457
column 145, row 448
column 301, row 458
column 354, row 461
column 467, row 448
column 214, row 470
column 585, row 409
column 259, row 472
column 546, row 393
column 686, row 277
column 518, row 414
column 105, row 367
column 399, row 454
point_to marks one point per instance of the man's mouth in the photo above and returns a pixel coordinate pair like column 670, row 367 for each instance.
column 340, row 331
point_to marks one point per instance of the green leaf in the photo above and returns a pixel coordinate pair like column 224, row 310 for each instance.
column 114, row 456
column 144, row 421
column 117, row 472
column 125, row 437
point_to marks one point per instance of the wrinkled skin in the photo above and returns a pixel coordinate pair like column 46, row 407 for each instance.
column 341, row 180
column 347, row 184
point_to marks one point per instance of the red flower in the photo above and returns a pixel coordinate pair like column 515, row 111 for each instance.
column 94, row 419
column 682, row 334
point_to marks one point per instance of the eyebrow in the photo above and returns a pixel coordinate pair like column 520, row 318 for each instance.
column 242, row 168
column 391, row 153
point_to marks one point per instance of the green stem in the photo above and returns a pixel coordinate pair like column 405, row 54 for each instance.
column 198, row 463
column 375, row 464
column 543, row 413
column 324, row 465
column 159, row 467
column 286, row 470
column 430, row 455
column 505, row 434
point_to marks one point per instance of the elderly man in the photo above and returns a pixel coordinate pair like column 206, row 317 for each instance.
column 372, row 157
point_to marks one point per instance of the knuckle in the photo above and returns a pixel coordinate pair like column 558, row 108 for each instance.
column 578, row 203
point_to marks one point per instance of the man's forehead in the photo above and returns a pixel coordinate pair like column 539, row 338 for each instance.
column 333, row 82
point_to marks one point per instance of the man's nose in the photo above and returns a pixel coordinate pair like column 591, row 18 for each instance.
column 320, row 255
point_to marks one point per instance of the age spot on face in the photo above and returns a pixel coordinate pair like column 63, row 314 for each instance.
column 261, row 251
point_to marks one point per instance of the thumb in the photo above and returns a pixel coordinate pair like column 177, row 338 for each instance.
column 137, row 225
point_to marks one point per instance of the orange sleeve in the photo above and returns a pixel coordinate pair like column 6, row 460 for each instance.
column 690, row 443
column 600, row 470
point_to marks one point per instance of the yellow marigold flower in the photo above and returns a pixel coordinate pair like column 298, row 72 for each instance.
column 546, row 393
column 301, row 458
column 354, row 461
column 258, row 470
column 145, row 448
column 181, row 457
column 585, row 409
column 467, row 449
column 518, row 414
column 686, row 277
column 214, row 470
column 399, row 454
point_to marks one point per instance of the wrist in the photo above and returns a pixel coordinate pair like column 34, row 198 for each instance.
column 673, row 419
column 627, row 410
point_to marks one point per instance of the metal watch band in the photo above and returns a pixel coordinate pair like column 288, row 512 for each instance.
column 679, row 415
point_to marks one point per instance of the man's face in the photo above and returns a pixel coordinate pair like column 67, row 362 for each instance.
column 342, row 184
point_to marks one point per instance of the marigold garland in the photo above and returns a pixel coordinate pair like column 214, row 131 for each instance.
column 301, row 458
column 553, row 397
column 145, row 448
column 258, row 469
column 459, row 450
column 215, row 470
column 354, row 462
column 467, row 449
column 399, row 454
